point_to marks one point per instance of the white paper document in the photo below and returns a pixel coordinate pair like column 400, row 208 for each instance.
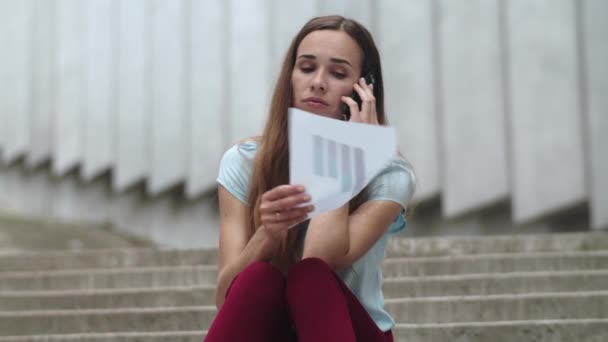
column 334, row 160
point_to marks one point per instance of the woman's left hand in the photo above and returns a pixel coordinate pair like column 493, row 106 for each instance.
column 367, row 113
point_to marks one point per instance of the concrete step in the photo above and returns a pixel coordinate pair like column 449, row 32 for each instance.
column 524, row 243
column 20, row 233
column 567, row 330
column 393, row 267
column 495, row 263
column 109, row 278
column 492, row 284
column 106, row 258
column 186, row 275
column 105, row 320
column 537, row 306
column 170, row 336
column 397, row 247
column 107, row 299
column 436, row 286
column 583, row 305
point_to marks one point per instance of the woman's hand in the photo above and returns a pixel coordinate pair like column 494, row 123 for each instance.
column 367, row 113
column 279, row 209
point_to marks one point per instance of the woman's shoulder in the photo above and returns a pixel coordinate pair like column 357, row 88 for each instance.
column 235, row 168
column 396, row 181
column 240, row 153
column 398, row 165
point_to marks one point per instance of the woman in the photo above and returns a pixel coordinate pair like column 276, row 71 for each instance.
column 320, row 280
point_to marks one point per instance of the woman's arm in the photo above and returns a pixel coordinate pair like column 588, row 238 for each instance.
column 340, row 239
column 238, row 247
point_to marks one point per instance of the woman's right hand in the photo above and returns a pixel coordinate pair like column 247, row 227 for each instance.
column 280, row 209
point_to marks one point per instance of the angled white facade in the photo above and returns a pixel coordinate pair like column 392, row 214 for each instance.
column 120, row 111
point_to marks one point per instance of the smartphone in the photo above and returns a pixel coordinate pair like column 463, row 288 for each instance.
column 369, row 79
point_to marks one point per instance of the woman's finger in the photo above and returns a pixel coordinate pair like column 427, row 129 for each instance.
column 365, row 112
column 285, row 216
column 354, row 109
column 282, row 191
column 368, row 88
column 368, row 103
column 284, row 204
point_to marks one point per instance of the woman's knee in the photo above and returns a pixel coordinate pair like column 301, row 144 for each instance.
column 306, row 275
column 311, row 265
column 260, row 280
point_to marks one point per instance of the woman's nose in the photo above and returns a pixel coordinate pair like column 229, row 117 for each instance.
column 318, row 82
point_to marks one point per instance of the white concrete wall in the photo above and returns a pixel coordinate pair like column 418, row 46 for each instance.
column 493, row 101
column 406, row 42
column 472, row 117
column 545, row 111
column 594, row 39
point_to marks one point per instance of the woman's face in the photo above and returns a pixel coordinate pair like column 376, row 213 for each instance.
column 327, row 65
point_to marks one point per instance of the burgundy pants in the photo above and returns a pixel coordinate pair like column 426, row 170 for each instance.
column 262, row 306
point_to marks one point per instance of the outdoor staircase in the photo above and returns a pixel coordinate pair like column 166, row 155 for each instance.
column 510, row 288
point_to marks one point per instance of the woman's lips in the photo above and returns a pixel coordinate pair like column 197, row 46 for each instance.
column 315, row 104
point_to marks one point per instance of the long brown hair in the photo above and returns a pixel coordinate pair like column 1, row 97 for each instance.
column 271, row 163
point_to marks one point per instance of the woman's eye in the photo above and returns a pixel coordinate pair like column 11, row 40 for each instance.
column 307, row 69
column 339, row 75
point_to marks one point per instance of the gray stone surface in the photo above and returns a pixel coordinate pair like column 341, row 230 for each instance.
column 475, row 295
column 69, row 94
column 44, row 80
column 495, row 283
column 472, row 116
column 107, row 299
column 167, row 139
column 100, row 81
column 15, row 32
column 360, row 10
column 250, row 87
column 109, row 278
column 209, row 97
column 405, row 39
column 91, row 321
column 19, row 234
column 545, row 123
column 133, row 104
column 489, row 308
column 105, row 258
column 495, row 263
column 592, row 305
column 585, row 330
column 596, row 77
column 169, row 336
column 497, row 244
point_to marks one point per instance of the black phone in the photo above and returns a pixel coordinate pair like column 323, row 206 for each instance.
column 369, row 79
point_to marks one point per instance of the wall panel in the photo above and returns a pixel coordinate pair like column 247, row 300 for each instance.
column 472, row 122
column 43, row 73
column 169, row 139
column 360, row 10
column 208, row 117
column 249, row 70
column 68, row 130
column 546, row 136
column 595, row 36
column 405, row 43
column 100, row 84
column 15, row 89
column 133, row 103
